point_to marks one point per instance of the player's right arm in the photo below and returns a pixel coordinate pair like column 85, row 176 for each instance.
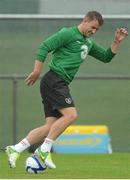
column 54, row 42
column 34, row 75
column 50, row 44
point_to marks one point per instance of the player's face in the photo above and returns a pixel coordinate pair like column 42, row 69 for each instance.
column 90, row 27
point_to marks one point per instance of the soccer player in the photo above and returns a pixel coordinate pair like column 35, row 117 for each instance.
column 69, row 47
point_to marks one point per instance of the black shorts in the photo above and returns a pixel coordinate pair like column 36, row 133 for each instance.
column 55, row 94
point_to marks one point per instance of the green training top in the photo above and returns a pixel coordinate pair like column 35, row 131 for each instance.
column 70, row 48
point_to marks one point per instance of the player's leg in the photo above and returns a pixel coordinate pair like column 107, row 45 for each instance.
column 34, row 136
column 68, row 117
column 46, row 155
column 57, row 103
column 37, row 135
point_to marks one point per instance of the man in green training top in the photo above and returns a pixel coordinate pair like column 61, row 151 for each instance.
column 70, row 47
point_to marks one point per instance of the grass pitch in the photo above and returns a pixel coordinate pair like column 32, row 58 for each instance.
column 74, row 166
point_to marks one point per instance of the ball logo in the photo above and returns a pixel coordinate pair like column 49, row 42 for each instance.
column 68, row 100
column 84, row 52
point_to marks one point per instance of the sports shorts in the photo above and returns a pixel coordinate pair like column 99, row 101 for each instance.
column 55, row 94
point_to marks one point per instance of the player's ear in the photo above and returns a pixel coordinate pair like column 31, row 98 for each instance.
column 86, row 19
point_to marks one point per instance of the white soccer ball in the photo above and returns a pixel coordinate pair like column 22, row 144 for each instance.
column 35, row 165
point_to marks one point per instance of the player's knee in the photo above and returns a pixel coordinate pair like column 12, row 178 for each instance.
column 72, row 116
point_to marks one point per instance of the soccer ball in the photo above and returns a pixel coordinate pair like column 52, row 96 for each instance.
column 34, row 165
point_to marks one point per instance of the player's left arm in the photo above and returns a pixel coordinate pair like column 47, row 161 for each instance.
column 120, row 35
column 106, row 55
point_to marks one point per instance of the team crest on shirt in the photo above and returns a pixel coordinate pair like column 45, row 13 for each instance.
column 68, row 100
column 78, row 42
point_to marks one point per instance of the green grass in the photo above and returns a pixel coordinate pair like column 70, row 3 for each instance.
column 74, row 166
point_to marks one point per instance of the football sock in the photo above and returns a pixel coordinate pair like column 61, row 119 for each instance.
column 22, row 145
column 47, row 145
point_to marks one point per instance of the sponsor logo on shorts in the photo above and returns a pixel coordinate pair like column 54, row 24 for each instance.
column 68, row 100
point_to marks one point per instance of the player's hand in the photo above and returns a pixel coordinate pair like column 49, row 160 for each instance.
column 31, row 79
column 120, row 34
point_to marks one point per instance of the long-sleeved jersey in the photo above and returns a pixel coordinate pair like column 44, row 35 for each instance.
column 69, row 50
